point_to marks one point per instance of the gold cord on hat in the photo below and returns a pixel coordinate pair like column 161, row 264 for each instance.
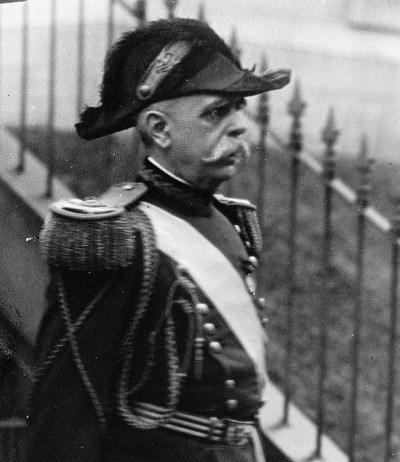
column 168, row 58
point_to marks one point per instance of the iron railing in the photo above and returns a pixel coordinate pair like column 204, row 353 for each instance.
column 358, row 200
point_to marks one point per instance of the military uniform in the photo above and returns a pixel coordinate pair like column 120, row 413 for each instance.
column 196, row 364
column 151, row 348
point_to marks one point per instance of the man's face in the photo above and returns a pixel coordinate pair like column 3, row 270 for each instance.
column 206, row 139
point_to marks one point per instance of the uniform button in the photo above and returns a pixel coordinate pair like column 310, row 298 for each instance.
column 230, row 384
column 127, row 186
column 264, row 321
column 247, row 244
column 232, row 404
column 262, row 302
column 237, row 227
column 250, row 283
column 202, row 308
column 253, row 260
column 215, row 347
column 209, row 328
column 144, row 91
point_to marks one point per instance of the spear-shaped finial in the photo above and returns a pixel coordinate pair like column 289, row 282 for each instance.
column 263, row 63
column 202, row 15
column 329, row 132
column 171, row 5
column 363, row 153
column 329, row 136
column 263, row 110
column 140, row 11
column 364, row 167
column 296, row 105
column 233, row 43
column 295, row 108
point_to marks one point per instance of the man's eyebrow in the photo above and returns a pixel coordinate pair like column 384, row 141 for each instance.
column 220, row 101
column 223, row 101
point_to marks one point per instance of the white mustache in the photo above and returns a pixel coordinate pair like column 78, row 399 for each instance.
column 226, row 148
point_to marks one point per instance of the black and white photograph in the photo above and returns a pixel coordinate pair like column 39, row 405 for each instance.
column 199, row 230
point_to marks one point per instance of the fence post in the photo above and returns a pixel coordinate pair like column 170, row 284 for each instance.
column 110, row 24
column 24, row 90
column 230, row 186
column 1, row 59
column 141, row 12
column 393, row 339
column 363, row 191
column 295, row 108
column 201, row 14
column 234, row 45
column 81, row 56
column 171, row 5
column 329, row 137
column 263, row 121
column 51, row 114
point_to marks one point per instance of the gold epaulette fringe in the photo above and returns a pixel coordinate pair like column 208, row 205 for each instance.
column 93, row 234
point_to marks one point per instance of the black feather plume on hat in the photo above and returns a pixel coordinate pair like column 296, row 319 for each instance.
column 137, row 49
column 175, row 57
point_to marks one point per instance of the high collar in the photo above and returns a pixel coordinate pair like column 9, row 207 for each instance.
column 173, row 192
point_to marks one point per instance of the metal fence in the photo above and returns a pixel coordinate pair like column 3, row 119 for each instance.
column 364, row 213
column 357, row 200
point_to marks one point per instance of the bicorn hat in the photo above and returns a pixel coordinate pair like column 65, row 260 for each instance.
column 168, row 59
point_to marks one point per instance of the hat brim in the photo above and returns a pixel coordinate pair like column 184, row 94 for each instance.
column 221, row 76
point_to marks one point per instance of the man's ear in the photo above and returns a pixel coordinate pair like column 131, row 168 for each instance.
column 157, row 128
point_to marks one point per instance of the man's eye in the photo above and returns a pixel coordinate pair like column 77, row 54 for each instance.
column 241, row 104
column 218, row 113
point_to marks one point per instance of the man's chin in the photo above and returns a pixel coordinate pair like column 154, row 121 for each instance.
column 220, row 176
column 228, row 172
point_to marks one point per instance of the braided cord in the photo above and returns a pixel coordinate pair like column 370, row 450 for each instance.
column 59, row 346
column 76, row 355
column 175, row 377
column 152, row 342
column 150, row 265
column 176, row 372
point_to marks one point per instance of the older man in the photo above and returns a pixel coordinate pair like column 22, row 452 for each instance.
column 151, row 348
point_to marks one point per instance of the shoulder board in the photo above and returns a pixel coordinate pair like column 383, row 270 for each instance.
column 93, row 234
column 123, row 195
column 243, row 215
column 111, row 204
column 233, row 201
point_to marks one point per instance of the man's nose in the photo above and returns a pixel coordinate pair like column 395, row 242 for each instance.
column 237, row 125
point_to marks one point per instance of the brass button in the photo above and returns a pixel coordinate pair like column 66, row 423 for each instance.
column 250, row 283
column 230, row 384
column 232, row 404
column 237, row 227
column 264, row 321
column 247, row 244
column 209, row 328
column 215, row 347
column 202, row 308
column 262, row 302
column 254, row 261
column 144, row 91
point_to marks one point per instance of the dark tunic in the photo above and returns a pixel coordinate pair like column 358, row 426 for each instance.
column 63, row 424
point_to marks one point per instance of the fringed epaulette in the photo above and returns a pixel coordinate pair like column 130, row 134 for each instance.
column 243, row 215
column 93, row 234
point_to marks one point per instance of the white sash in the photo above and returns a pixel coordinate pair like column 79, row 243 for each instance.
column 216, row 277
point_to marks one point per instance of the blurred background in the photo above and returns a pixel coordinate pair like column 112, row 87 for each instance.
column 330, row 280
